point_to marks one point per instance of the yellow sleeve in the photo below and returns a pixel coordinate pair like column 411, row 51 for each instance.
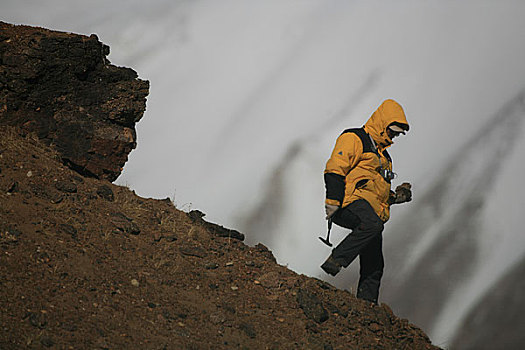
column 345, row 156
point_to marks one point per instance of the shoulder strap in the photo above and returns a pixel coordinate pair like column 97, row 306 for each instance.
column 387, row 155
column 363, row 136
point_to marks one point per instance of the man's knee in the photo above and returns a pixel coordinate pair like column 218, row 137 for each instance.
column 345, row 218
column 372, row 225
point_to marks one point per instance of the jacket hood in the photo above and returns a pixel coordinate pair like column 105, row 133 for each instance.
column 389, row 112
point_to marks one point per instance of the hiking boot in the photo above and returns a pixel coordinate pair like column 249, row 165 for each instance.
column 331, row 266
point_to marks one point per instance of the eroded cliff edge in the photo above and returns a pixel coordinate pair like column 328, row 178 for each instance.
column 63, row 87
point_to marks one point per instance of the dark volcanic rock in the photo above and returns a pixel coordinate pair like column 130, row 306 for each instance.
column 124, row 224
column 62, row 87
column 196, row 217
column 312, row 306
column 66, row 186
column 106, row 192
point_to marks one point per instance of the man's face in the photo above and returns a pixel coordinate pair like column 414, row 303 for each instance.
column 392, row 134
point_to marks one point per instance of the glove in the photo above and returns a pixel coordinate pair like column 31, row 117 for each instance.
column 403, row 194
column 330, row 210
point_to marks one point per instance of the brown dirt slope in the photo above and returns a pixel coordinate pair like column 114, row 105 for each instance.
column 85, row 264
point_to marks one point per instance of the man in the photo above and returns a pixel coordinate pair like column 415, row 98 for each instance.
column 358, row 196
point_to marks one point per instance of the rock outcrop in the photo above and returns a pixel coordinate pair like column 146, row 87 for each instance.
column 62, row 87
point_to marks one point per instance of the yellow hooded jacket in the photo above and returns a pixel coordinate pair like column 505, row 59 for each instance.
column 354, row 170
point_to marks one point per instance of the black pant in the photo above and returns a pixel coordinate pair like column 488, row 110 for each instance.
column 365, row 240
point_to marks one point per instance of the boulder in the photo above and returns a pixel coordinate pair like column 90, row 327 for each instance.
column 62, row 87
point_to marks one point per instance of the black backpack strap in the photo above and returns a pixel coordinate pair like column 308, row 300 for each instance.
column 387, row 156
column 364, row 137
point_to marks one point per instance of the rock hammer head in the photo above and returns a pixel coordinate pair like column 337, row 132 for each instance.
column 327, row 239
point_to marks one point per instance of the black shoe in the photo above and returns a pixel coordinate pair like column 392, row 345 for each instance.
column 331, row 267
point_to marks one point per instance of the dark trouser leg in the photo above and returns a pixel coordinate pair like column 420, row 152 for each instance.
column 369, row 228
column 371, row 270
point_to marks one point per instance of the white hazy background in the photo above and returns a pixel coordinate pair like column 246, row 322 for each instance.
column 248, row 97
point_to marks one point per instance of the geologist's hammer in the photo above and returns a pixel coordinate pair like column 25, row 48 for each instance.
column 327, row 240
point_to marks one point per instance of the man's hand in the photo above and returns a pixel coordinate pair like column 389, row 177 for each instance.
column 403, row 193
column 330, row 210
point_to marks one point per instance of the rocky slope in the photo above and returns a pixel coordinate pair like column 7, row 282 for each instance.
column 88, row 264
